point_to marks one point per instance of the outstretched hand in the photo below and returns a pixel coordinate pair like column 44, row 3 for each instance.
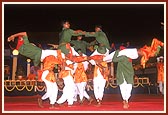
column 80, row 31
column 10, row 38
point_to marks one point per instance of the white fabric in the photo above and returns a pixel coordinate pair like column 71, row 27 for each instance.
column 46, row 53
column 98, row 81
column 108, row 58
column 97, row 53
column 161, row 87
column 74, row 53
column 85, row 63
column 68, row 68
column 80, row 87
column 125, row 90
column 69, row 62
column 68, row 91
column 98, row 85
column 80, row 90
column 52, row 89
column 131, row 53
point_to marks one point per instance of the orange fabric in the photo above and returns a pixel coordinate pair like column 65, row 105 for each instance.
column 80, row 75
column 59, row 57
column 97, row 57
column 70, row 66
column 31, row 76
column 64, row 73
column 160, row 69
column 150, row 51
column 39, row 72
column 49, row 62
column 51, row 76
column 103, row 70
column 68, row 46
column 79, row 58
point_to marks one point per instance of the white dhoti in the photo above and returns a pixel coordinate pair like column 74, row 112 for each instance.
column 98, row 81
column 80, row 90
column 98, row 85
column 68, row 91
column 52, row 89
column 125, row 90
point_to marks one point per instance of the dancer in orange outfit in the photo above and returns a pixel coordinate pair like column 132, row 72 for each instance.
column 151, row 51
column 100, row 77
column 80, row 79
column 101, row 73
column 160, row 78
column 66, row 73
column 50, row 81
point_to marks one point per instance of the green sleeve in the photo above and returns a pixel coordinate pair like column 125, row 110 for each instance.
column 88, row 34
column 75, row 34
column 73, row 42
column 26, row 41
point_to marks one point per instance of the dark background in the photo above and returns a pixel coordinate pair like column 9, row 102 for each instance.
column 137, row 23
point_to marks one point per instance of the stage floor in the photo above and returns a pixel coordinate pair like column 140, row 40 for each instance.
column 112, row 103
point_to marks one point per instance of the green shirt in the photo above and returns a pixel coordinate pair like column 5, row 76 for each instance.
column 80, row 44
column 124, row 69
column 101, row 38
column 65, row 37
column 30, row 51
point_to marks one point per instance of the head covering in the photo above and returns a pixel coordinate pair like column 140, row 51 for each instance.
column 101, row 50
column 49, row 62
column 122, row 47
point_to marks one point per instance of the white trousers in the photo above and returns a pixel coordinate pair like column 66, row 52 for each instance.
column 161, row 87
column 80, row 90
column 125, row 90
column 98, row 85
column 68, row 91
column 52, row 89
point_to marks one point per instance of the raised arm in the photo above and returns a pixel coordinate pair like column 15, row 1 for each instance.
column 12, row 37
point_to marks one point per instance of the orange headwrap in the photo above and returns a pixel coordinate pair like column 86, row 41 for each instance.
column 49, row 62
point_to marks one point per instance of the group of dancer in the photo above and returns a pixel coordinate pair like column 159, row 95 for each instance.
column 73, row 63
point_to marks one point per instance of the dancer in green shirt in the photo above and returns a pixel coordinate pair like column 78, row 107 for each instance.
column 101, row 39
column 66, row 35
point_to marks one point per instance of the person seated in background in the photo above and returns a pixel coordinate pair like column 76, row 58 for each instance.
column 20, row 73
column 31, row 76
